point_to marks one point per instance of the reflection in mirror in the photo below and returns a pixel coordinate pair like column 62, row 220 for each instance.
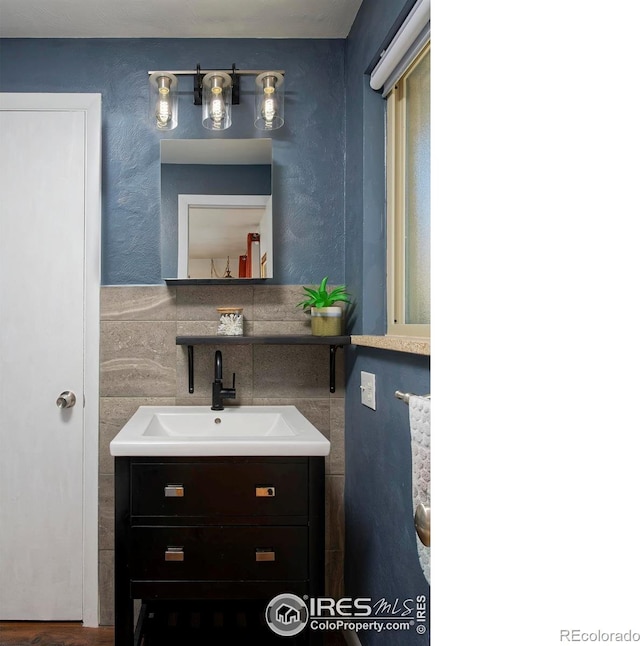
column 238, row 249
column 216, row 208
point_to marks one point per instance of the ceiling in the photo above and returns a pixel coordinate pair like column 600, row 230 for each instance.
column 177, row 18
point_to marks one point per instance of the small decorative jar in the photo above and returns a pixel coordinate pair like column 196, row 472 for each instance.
column 231, row 321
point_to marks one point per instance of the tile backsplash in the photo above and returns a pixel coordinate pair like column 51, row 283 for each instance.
column 140, row 364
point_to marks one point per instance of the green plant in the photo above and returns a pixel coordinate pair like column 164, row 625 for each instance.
column 321, row 298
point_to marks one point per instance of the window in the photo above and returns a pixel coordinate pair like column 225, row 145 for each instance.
column 408, row 200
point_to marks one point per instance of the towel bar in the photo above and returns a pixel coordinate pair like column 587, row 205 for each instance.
column 405, row 396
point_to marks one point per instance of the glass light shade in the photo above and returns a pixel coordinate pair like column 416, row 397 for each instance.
column 269, row 101
column 216, row 101
column 163, row 100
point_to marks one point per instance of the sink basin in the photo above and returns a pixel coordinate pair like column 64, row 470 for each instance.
column 198, row 430
column 221, row 424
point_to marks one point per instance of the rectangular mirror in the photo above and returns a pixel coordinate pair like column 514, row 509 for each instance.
column 216, row 207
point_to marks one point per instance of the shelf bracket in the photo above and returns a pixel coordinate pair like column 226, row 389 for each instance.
column 190, row 358
column 332, row 368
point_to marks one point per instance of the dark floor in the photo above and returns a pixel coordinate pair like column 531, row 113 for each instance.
column 40, row 633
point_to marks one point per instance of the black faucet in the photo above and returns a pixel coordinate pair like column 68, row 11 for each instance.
column 219, row 391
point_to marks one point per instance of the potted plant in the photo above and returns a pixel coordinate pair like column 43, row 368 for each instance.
column 326, row 316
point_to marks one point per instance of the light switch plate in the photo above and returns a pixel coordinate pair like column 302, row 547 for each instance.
column 368, row 389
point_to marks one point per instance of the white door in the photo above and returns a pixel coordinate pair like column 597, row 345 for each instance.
column 43, row 279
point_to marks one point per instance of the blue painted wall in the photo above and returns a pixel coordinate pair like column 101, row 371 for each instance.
column 380, row 555
column 365, row 263
column 308, row 151
column 381, row 559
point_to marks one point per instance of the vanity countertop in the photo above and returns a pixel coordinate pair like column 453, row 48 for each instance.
column 236, row 430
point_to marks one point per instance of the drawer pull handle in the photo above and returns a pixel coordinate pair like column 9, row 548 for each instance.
column 174, row 554
column 174, row 491
column 265, row 492
column 265, row 554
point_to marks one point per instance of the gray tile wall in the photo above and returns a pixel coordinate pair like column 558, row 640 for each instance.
column 141, row 365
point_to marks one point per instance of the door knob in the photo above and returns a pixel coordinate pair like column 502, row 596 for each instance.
column 66, row 399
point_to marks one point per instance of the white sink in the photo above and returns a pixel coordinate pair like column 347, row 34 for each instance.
column 239, row 430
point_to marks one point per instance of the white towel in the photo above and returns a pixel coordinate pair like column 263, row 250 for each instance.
column 420, row 424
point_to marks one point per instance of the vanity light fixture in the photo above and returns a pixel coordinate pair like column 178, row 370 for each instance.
column 216, row 91
column 269, row 101
column 216, row 101
column 163, row 100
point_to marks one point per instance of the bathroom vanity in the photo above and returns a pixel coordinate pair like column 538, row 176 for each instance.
column 194, row 531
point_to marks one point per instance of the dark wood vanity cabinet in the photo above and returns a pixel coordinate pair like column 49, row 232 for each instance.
column 203, row 529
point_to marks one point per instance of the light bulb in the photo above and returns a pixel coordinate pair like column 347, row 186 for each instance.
column 217, row 112
column 163, row 108
column 269, row 107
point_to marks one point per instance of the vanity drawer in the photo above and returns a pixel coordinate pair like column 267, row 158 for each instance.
column 220, row 489
column 219, row 553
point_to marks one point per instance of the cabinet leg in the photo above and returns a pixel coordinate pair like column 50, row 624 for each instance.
column 123, row 629
column 123, row 604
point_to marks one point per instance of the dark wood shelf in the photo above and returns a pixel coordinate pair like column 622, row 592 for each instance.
column 333, row 342
column 215, row 281
column 283, row 339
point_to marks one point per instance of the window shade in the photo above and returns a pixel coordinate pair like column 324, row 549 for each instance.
column 411, row 37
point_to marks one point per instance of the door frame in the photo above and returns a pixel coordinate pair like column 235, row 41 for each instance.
column 91, row 106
